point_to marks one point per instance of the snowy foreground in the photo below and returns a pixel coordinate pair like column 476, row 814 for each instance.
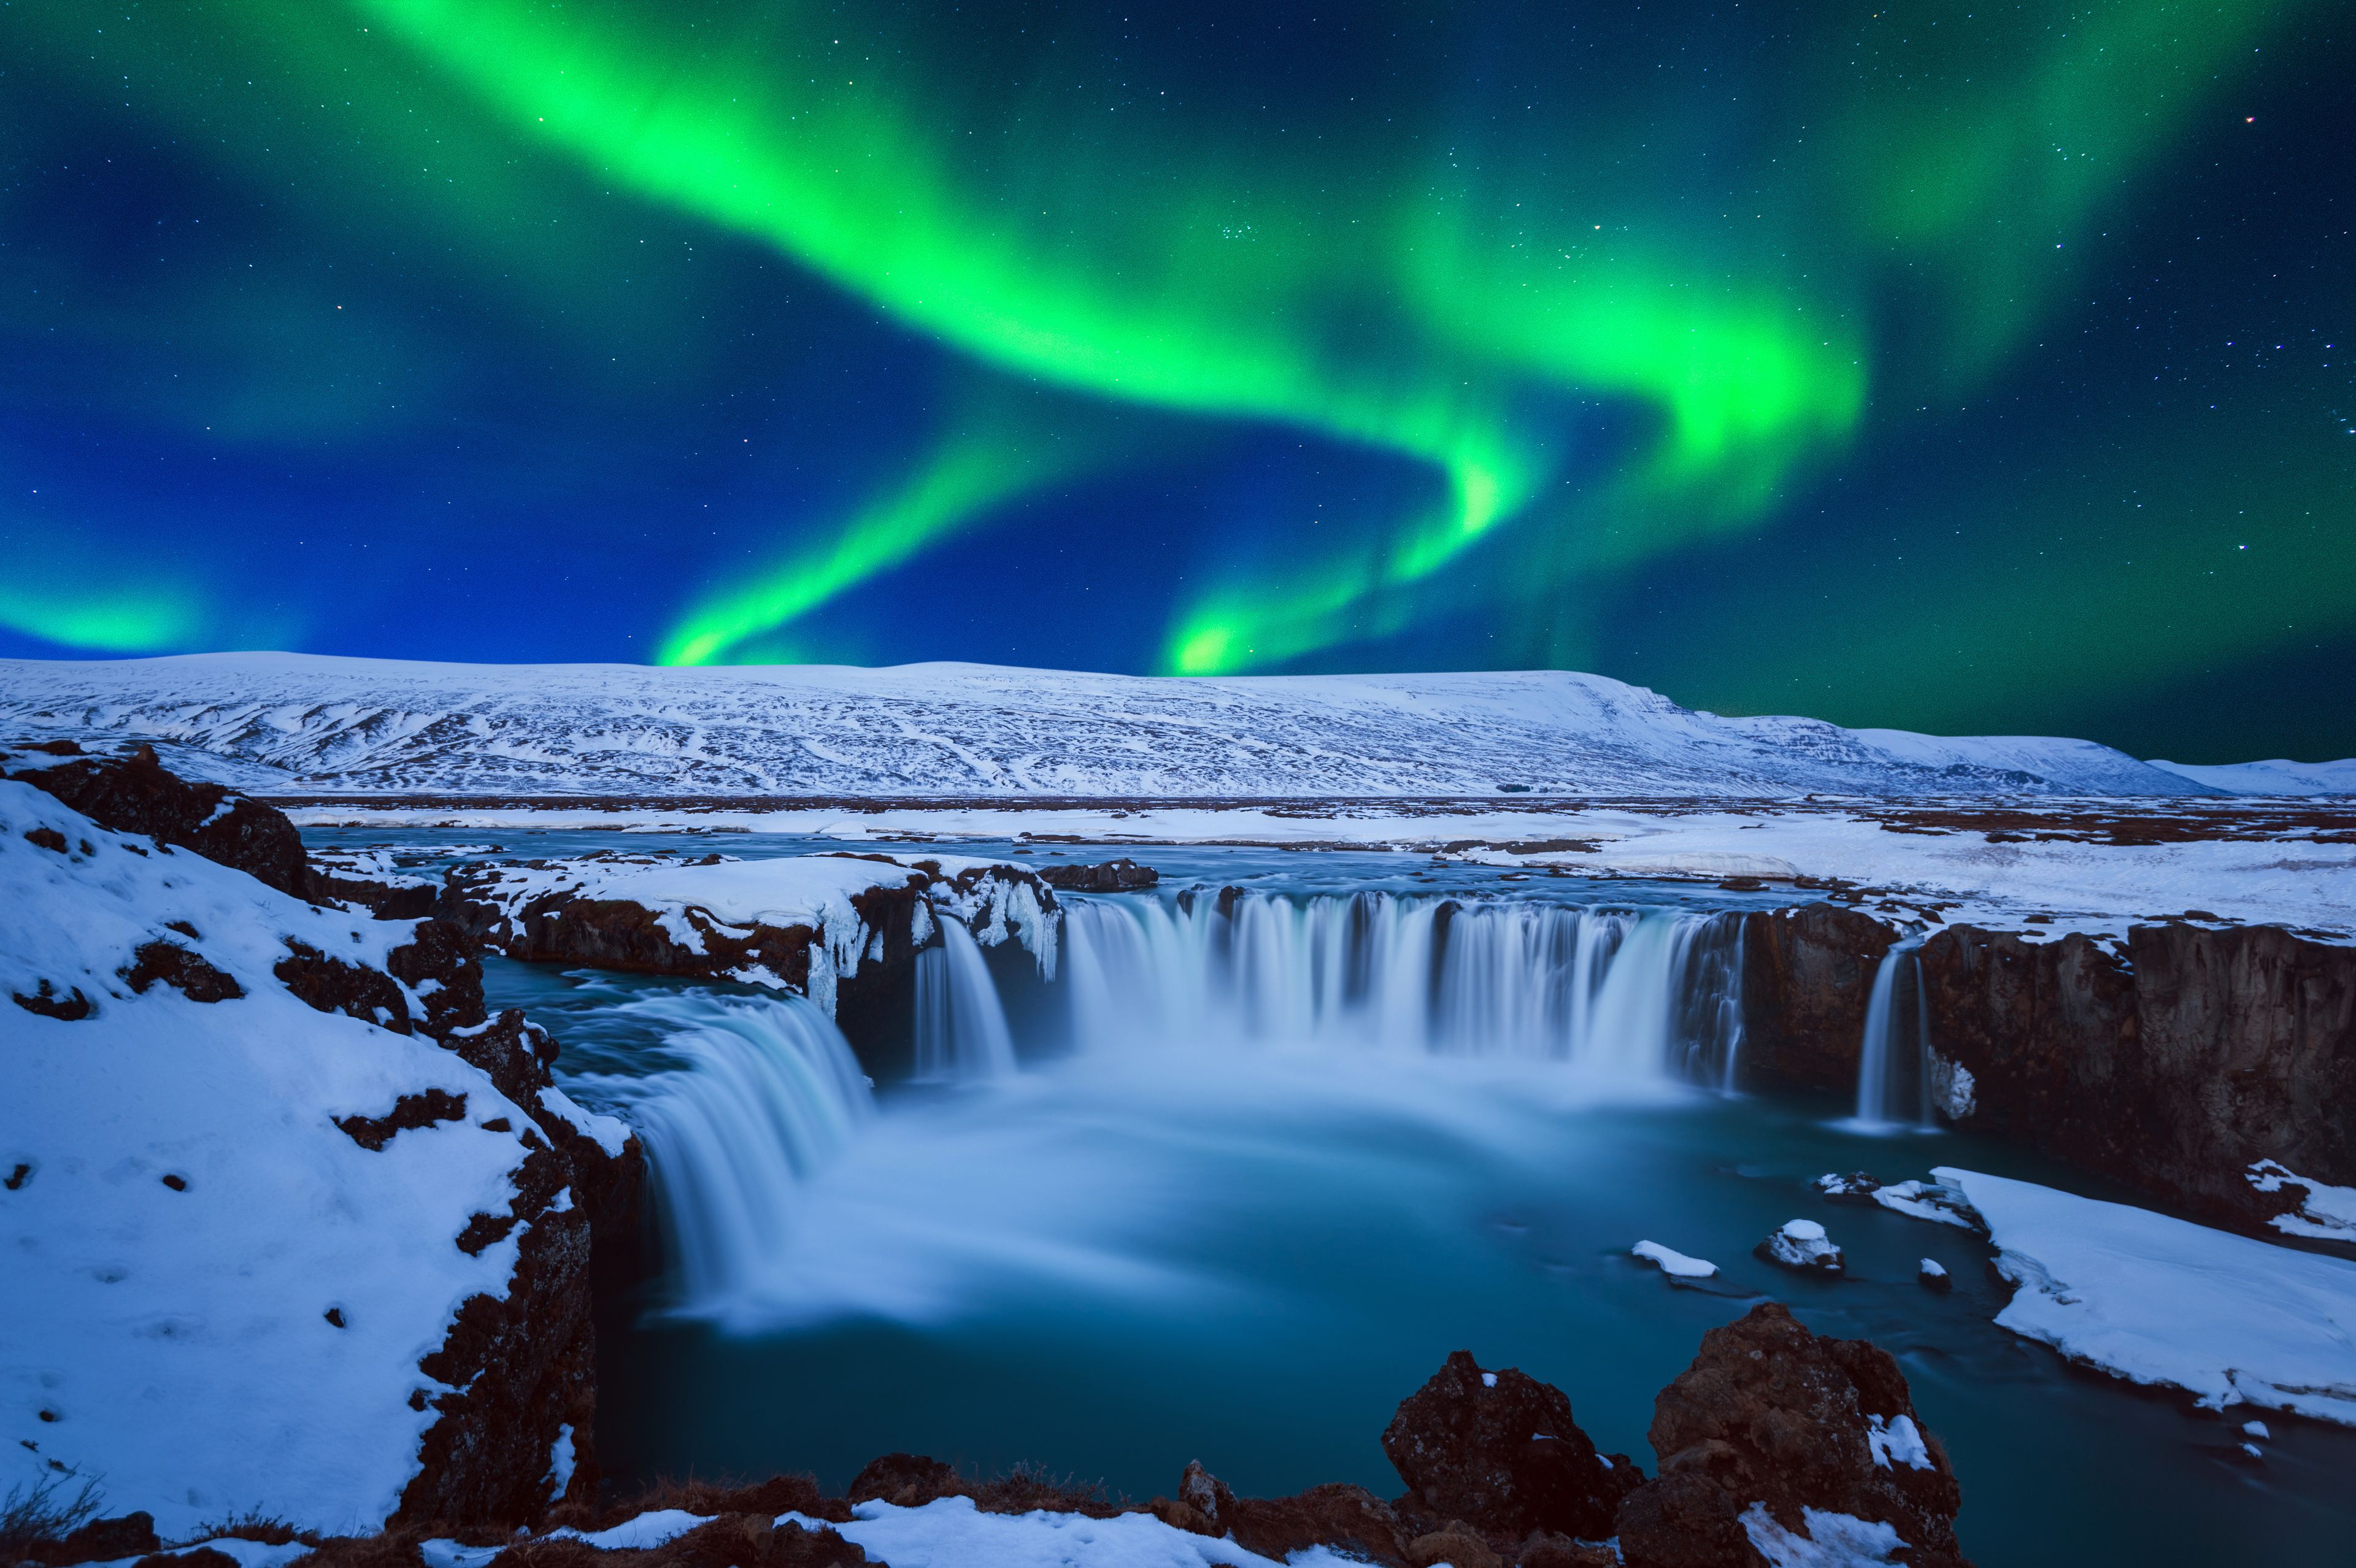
column 217, row 1298
column 287, row 723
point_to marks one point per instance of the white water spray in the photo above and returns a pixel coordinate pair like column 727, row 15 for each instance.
column 1620, row 993
column 764, row 1094
column 961, row 1025
column 1893, row 1071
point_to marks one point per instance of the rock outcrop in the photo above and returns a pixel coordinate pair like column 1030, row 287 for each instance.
column 2174, row 1066
column 1501, row 1452
column 1778, row 1443
column 2174, row 1061
column 1106, row 876
column 132, row 792
column 1806, row 974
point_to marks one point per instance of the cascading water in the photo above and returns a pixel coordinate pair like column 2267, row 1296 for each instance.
column 1893, row 1069
column 754, row 1095
column 1621, row 993
column 961, row 1028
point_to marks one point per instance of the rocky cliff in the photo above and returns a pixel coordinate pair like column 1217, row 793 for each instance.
column 2172, row 1061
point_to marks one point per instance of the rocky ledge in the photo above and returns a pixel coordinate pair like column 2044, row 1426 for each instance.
column 2178, row 1060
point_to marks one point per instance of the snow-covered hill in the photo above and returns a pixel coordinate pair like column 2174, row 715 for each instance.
column 2277, row 777
column 292, row 723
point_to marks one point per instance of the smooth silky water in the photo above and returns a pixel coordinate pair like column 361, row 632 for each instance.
column 1252, row 1178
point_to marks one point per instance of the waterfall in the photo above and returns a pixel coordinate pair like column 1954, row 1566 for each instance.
column 1618, row 992
column 1893, row 1082
column 755, row 1094
column 961, row 1026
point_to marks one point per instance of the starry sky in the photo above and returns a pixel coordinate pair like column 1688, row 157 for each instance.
column 1959, row 366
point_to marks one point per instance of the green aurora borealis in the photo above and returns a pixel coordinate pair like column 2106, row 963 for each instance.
column 1955, row 367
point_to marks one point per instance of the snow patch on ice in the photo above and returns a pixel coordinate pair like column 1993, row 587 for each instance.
column 2326, row 1214
column 2163, row 1301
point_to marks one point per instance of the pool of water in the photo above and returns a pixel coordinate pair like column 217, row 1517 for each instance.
column 1245, row 1251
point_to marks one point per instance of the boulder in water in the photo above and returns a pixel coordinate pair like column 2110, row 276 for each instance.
column 1777, row 1442
column 1934, row 1277
column 1500, row 1451
column 1801, row 1244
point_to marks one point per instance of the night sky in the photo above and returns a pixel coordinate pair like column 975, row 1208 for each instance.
column 1967, row 368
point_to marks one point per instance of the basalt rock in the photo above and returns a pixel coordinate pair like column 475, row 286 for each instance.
column 411, row 898
column 134, row 793
column 1771, row 1425
column 182, row 970
column 2174, row 1067
column 1500, row 1451
column 1808, row 973
column 1107, row 877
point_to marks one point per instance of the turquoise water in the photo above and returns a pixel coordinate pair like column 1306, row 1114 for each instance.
column 1117, row 1261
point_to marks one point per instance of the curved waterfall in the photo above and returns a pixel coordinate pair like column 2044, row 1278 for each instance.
column 961, row 1031
column 1623, row 992
column 753, row 1094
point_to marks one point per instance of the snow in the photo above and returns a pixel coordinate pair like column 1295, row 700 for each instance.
column 289, row 721
column 2326, row 1214
column 642, row 1533
column 689, row 897
column 1921, row 1200
column 2255, row 1429
column 2277, row 777
column 1675, row 1264
column 1802, row 1243
column 1932, row 1268
column 561, row 1460
column 1898, row 1439
column 1943, row 874
column 1488, row 1379
column 178, row 1337
column 2162, row 1301
column 1830, row 1539
column 950, row 1532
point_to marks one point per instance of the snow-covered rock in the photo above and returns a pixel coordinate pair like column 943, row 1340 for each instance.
column 2324, row 1213
column 2160, row 1300
column 803, row 922
column 292, row 721
column 1801, row 1244
column 1675, row 1264
column 1934, row 1275
column 264, row 1254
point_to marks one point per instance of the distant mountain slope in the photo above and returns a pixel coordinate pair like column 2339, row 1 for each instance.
column 2275, row 777
column 299, row 723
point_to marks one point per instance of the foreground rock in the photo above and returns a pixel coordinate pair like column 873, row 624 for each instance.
column 1781, row 1445
column 1501, row 1450
column 293, row 1228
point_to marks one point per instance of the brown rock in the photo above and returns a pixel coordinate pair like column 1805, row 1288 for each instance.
column 103, row 1540
column 1455, row 1546
column 1205, row 1492
column 905, row 1481
column 133, row 794
column 1773, row 1416
column 182, row 970
column 1500, row 1451
column 1541, row 1550
column 1347, row 1518
column 1808, row 973
column 1109, row 877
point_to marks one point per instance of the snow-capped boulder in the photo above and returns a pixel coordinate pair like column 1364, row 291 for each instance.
column 1801, row 1244
column 272, row 1247
column 1781, row 1446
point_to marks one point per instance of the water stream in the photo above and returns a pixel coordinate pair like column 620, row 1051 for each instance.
column 1894, row 1072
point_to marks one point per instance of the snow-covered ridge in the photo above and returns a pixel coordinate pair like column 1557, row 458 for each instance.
column 218, row 1298
column 2277, row 777
column 292, row 723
